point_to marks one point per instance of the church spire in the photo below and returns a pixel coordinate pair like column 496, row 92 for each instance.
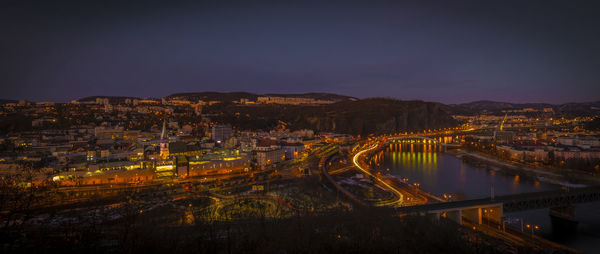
column 163, row 134
column 164, row 142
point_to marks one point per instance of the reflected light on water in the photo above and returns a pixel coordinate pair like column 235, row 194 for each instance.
column 443, row 173
column 411, row 156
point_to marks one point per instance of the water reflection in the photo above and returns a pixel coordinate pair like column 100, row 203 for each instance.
column 440, row 173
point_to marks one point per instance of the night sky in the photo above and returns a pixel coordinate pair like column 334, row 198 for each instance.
column 445, row 51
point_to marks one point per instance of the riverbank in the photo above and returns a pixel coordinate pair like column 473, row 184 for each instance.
column 563, row 178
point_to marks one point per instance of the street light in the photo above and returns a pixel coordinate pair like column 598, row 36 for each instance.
column 536, row 227
column 532, row 227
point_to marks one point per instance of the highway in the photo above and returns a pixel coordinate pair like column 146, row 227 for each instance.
column 399, row 196
column 405, row 195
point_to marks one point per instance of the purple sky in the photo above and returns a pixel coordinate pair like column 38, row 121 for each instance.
column 517, row 51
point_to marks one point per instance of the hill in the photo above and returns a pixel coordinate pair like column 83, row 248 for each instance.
column 236, row 96
column 316, row 96
column 111, row 99
column 214, row 96
column 374, row 115
column 483, row 106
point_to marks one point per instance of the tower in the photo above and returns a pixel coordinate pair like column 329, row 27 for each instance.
column 164, row 142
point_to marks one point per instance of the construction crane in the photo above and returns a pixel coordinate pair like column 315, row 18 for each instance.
column 500, row 127
column 503, row 120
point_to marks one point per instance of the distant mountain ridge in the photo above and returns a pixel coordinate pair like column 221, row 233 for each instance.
column 495, row 107
column 475, row 107
column 4, row 101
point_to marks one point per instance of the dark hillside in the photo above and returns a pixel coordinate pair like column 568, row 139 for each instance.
column 376, row 115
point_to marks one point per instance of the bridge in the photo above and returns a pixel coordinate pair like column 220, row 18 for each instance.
column 417, row 140
column 492, row 209
column 412, row 139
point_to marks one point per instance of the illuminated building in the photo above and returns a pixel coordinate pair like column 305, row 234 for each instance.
column 220, row 133
column 108, row 133
column 219, row 162
column 292, row 150
column 290, row 100
column 268, row 157
column 165, row 168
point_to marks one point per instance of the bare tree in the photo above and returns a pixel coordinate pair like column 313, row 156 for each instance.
column 21, row 192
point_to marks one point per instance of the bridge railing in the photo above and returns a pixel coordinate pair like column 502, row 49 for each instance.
column 519, row 202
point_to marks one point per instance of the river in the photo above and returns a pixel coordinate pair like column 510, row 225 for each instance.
column 440, row 173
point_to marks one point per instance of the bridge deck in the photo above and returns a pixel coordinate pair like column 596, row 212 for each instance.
column 516, row 202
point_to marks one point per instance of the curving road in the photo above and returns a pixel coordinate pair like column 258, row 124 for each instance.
column 399, row 196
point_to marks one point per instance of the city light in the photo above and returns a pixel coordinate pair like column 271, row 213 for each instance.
column 299, row 127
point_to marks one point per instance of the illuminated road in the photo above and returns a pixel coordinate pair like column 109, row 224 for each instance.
column 414, row 197
column 217, row 197
column 400, row 196
column 341, row 170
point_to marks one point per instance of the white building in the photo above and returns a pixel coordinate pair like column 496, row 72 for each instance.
column 268, row 157
column 292, row 150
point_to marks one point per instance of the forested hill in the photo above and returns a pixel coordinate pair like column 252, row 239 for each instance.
column 375, row 115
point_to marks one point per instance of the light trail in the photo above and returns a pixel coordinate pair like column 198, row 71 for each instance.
column 394, row 190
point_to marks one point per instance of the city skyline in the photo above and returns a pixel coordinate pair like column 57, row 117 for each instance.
column 450, row 53
column 413, row 126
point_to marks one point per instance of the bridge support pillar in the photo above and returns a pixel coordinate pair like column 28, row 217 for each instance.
column 563, row 220
column 455, row 216
column 472, row 215
column 434, row 216
column 493, row 214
